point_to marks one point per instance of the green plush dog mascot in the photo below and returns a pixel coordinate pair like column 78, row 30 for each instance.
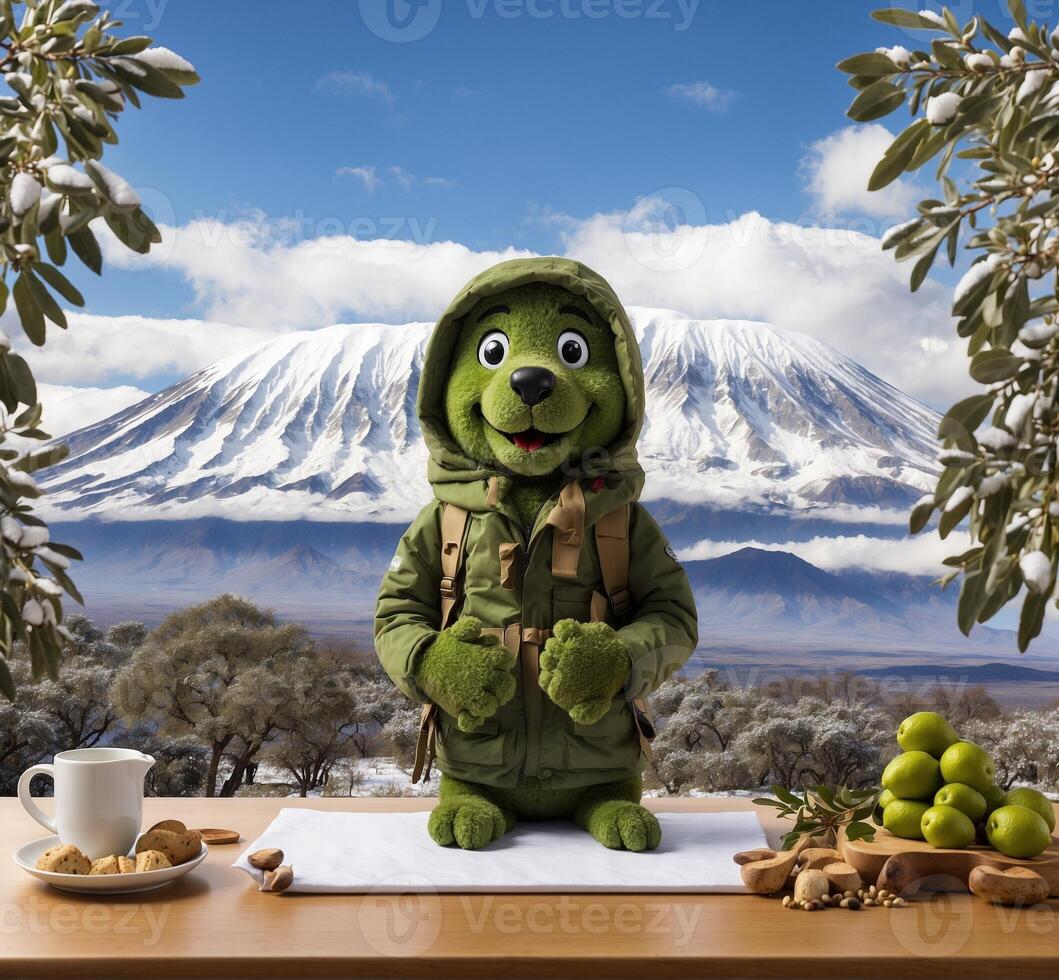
column 534, row 603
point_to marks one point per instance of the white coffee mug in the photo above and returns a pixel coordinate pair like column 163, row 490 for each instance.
column 98, row 798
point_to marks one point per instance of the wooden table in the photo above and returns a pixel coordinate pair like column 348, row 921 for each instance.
column 214, row 923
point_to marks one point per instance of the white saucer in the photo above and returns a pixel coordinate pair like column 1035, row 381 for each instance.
column 137, row 881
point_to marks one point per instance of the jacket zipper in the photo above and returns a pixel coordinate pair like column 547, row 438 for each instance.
column 533, row 699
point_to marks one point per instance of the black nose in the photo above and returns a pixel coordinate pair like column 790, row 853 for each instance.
column 532, row 384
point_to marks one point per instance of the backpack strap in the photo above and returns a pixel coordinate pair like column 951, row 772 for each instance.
column 612, row 544
column 568, row 520
column 453, row 530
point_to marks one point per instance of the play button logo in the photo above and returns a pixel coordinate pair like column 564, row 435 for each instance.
column 400, row 21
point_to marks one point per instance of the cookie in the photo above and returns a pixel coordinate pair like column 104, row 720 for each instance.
column 177, row 847
column 64, row 859
column 106, row 866
column 152, row 861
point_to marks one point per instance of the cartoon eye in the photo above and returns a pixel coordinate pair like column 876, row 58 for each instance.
column 492, row 351
column 573, row 349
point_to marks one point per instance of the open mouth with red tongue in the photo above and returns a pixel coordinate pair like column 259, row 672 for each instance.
column 531, row 440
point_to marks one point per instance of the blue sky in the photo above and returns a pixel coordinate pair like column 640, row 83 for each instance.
column 521, row 114
column 696, row 153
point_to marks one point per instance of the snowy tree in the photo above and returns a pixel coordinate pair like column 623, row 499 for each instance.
column 69, row 77
column 987, row 99
column 320, row 731
column 222, row 672
column 717, row 737
column 401, row 733
column 1023, row 746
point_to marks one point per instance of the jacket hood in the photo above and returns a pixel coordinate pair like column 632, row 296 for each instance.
column 463, row 481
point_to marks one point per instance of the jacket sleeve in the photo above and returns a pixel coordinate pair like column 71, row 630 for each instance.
column 663, row 628
column 407, row 613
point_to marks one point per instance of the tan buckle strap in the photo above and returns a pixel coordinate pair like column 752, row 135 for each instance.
column 568, row 520
column 509, row 562
column 612, row 545
column 645, row 726
column 426, row 743
column 453, row 530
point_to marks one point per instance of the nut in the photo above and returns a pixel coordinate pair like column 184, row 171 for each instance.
column 786, row 901
column 851, row 903
column 1012, row 886
column 267, row 859
column 843, row 877
column 278, row 880
column 811, row 885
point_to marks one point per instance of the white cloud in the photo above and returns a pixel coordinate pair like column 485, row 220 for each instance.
column 98, row 349
column 68, row 408
column 366, row 175
column 921, row 555
column 831, row 283
column 251, row 273
column 838, row 167
column 404, row 179
column 369, row 177
column 355, row 83
column 702, row 94
column 834, row 284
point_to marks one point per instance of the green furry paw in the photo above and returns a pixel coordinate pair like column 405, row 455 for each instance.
column 471, row 823
column 620, row 824
column 582, row 667
column 466, row 673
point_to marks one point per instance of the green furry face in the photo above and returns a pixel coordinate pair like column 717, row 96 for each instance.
column 535, row 381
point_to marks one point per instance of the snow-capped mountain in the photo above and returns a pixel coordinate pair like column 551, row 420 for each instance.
column 321, row 425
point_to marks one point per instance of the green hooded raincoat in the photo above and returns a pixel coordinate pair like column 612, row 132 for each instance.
column 530, row 737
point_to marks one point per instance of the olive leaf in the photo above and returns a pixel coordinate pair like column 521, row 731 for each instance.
column 70, row 76
column 990, row 102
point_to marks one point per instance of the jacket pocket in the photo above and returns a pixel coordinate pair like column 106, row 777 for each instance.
column 571, row 602
column 483, row 746
column 610, row 744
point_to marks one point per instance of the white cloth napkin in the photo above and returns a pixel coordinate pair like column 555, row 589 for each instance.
column 392, row 853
